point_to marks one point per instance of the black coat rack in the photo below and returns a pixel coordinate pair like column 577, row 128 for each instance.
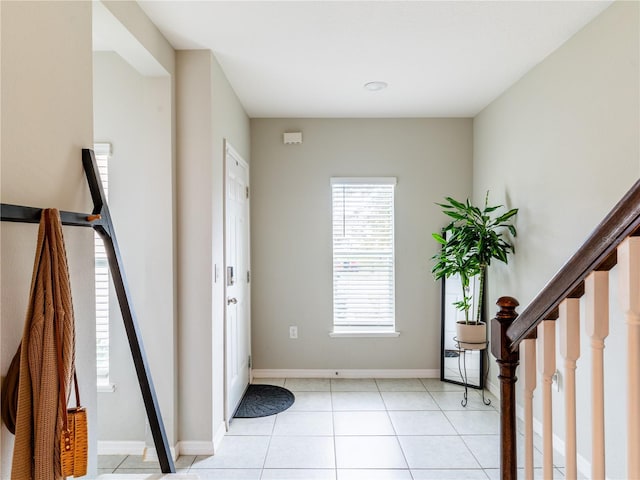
column 100, row 221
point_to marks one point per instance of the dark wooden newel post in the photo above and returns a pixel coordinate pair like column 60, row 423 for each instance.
column 507, row 363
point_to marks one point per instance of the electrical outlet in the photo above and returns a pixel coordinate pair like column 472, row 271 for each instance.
column 293, row 331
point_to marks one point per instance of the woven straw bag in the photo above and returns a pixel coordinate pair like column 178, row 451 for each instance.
column 74, row 439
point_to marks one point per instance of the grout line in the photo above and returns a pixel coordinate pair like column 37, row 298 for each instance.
column 471, row 452
column 397, row 437
column 273, row 429
column 333, row 424
column 120, row 464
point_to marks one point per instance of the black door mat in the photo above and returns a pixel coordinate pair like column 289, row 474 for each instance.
column 264, row 400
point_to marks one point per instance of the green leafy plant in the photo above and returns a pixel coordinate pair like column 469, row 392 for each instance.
column 473, row 238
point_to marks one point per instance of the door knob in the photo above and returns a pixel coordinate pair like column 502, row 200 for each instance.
column 232, row 301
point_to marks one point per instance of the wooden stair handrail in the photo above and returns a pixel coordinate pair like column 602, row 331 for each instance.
column 597, row 253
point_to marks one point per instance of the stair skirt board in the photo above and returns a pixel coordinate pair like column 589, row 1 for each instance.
column 328, row 373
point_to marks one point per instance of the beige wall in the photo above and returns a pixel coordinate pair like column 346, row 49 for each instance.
column 291, row 234
column 46, row 120
column 133, row 113
column 562, row 144
column 231, row 123
column 208, row 112
column 194, row 184
column 563, row 139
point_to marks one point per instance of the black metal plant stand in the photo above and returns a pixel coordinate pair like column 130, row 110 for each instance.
column 100, row 221
column 462, row 366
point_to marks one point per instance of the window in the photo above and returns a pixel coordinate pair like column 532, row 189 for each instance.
column 363, row 255
column 102, row 152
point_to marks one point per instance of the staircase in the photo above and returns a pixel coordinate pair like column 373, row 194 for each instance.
column 574, row 308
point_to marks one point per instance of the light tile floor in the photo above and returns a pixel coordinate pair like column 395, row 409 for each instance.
column 355, row 429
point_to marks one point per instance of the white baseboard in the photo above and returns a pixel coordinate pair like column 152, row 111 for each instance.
column 151, row 454
column 109, row 447
column 342, row 373
column 188, row 447
column 219, row 434
column 195, row 448
column 147, row 476
column 132, row 447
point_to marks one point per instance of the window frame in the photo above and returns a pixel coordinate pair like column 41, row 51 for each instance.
column 384, row 328
column 102, row 153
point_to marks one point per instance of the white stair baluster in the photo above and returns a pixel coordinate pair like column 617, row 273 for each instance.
column 546, row 343
column 529, row 347
column 569, row 339
column 629, row 263
column 596, row 297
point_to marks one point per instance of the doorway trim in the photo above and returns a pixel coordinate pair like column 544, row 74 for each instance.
column 230, row 152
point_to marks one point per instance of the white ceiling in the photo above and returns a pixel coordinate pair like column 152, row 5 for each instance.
column 312, row 58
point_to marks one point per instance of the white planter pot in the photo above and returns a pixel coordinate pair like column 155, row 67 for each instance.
column 472, row 336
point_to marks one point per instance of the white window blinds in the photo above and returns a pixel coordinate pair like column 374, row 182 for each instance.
column 102, row 152
column 363, row 252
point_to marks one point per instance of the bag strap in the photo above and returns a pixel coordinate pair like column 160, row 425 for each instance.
column 75, row 384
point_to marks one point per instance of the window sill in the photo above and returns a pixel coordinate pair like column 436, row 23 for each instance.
column 362, row 334
column 106, row 388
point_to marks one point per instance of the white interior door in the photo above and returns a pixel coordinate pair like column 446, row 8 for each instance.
column 237, row 277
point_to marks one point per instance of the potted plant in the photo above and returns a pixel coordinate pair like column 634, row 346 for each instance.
column 469, row 242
